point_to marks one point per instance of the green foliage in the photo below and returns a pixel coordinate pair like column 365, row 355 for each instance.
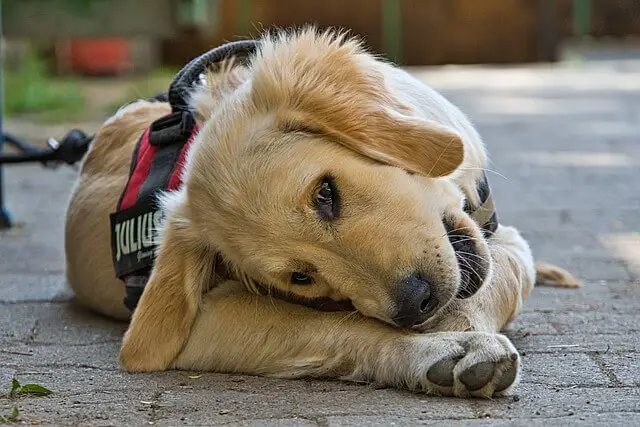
column 14, row 417
column 31, row 389
column 79, row 7
column 32, row 89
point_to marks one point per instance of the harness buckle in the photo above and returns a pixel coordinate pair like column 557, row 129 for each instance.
column 175, row 128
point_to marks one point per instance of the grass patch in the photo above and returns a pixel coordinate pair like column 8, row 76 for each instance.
column 31, row 89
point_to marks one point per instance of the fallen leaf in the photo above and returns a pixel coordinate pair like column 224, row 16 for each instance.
column 35, row 389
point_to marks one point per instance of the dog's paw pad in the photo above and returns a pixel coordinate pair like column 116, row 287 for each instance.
column 477, row 376
column 508, row 378
column 442, row 372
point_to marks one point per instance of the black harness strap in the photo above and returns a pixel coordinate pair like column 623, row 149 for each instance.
column 169, row 134
column 156, row 167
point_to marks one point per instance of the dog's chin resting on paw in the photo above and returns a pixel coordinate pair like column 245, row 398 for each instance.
column 319, row 173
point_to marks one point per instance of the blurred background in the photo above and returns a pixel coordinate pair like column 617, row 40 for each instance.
column 80, row 59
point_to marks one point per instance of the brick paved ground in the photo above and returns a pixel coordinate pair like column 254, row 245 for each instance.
column 568, row 142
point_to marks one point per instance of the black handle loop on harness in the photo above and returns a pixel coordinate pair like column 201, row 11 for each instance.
column 182, row 83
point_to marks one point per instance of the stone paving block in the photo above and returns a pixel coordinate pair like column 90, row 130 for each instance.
column 33, row 288
column 593, row 419
column 592, row 322
column 89, row 407
column 7, row 373
column 282, row 422
column 221, row 406
column 545, row 401
column 73, row 380
column 58, row 324
column 563, row 370
column 598, row 296
column 103, row 356
column 593, row 267
column 17, row 322
column 534, row 322
column 625, row 366
column 574, row 343
column 545, row 321
column 567, row 242
column 20, row 257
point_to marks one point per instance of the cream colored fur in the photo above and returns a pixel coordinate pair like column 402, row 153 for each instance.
column 309, row 104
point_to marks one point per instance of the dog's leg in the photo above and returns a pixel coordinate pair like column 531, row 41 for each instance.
column 239, row 332
column 499, row 300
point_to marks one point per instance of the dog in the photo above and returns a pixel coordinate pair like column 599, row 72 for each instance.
column 325, row 226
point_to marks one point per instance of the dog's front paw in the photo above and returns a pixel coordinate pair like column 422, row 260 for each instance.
column 463, row 364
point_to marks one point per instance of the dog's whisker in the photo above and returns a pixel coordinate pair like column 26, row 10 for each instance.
column 459, row 228
column 478, row 275
column 487, row 170
column 473, row 255
column 466, row 261
column 448, row 233
column 468, row 239
column 466, row 236
column 475, row 262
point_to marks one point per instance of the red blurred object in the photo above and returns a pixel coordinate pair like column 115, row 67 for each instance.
column 98, row 56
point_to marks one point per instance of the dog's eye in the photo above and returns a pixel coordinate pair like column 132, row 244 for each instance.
column 301, row 279
column 325, row 195
column 326, row 199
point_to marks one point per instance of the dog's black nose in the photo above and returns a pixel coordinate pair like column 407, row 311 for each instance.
column 415, row 301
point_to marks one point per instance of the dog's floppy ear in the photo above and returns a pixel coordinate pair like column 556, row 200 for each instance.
column 161, row 323
column 326, row 82
column 406, row 141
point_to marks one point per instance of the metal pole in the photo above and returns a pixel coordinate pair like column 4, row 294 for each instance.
column 5, row 221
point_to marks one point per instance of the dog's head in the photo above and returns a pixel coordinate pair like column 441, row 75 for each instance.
column 310, row 177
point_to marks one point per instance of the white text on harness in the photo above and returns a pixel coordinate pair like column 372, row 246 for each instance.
column 137, row 234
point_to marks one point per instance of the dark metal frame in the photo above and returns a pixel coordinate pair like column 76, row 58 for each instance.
column 70, row 150
column 5, row 220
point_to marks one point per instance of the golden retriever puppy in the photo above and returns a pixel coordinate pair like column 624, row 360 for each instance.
column 321, row 178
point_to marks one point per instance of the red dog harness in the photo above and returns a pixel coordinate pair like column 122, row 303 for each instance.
column 156, row 166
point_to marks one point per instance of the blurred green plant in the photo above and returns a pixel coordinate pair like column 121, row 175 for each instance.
column 13, row 417
column 78, row 7
column 32, row 389
column 31, row 89
column 145, row 87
